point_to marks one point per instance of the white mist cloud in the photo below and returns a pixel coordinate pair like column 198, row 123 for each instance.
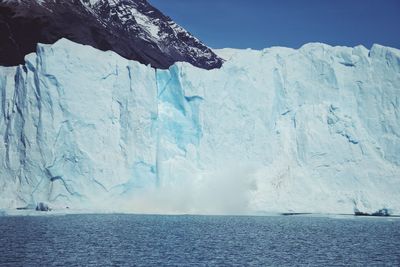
column 221, row 192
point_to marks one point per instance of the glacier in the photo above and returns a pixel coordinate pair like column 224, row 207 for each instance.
column 315, row 129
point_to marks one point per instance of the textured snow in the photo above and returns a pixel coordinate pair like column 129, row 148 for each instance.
column 310, row 130
column 148, row 24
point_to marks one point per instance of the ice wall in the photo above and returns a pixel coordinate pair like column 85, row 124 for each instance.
column 78, row 125
column 309, row 130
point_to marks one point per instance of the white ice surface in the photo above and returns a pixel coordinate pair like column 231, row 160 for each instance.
column 310, row 130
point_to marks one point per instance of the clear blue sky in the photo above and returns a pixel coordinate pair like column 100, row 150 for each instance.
column 264, row 23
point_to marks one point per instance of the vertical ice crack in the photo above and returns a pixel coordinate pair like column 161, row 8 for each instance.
column 130, row 77
column 157, row 133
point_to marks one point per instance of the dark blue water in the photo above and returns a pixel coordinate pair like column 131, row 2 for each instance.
column 137, row 240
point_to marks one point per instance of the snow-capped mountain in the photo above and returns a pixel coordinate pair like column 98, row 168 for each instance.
column 132, row 28
column 279, row 130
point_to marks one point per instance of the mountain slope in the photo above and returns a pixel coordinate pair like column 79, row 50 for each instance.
column 132, row 28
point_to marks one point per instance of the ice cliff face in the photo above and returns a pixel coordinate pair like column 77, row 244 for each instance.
column 309, row 130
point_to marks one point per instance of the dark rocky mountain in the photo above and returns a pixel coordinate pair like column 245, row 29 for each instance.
column 132, row 28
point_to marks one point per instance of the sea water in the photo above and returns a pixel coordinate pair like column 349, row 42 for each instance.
column 145, row 240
